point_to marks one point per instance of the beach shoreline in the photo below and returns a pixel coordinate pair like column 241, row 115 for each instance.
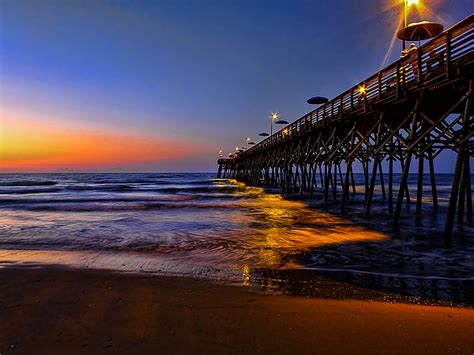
column 54, row 310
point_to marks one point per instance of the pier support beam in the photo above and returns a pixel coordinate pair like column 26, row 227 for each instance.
column 406, row 168
column 460, row 167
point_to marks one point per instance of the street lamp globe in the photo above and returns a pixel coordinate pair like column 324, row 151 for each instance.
column 413, row 2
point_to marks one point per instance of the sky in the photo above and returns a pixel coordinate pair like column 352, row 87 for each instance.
column 164, row 85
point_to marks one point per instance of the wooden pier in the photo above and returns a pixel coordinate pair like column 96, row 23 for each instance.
column 415, row 108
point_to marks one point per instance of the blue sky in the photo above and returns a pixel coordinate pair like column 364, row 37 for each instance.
column 202, row 73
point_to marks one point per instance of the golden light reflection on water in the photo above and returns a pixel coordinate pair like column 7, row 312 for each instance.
column 291, row 227
column 246, row 275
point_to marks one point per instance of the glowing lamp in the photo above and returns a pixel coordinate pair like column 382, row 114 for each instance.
column 413, row 2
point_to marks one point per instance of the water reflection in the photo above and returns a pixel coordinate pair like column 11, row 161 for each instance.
column 245, row 275
column 285, row 228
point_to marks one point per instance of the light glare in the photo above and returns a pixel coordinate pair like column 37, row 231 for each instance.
column 413, row 2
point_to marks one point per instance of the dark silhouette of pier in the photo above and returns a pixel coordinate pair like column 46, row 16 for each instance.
column 415, row 108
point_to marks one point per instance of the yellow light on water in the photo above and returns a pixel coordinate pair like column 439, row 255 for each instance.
column 246, row 275
column 292, row 227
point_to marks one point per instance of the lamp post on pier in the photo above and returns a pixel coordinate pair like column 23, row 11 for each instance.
column 247, row 140
column 407, row 4
column 273, row 117
column 418, row 31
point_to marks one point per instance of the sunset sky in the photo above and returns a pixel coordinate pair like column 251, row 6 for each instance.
column 164, row 85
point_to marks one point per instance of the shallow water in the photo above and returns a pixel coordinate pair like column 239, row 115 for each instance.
column 195, row 225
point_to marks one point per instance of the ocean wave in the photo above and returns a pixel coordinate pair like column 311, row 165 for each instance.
column 19, row 202
column 29, row 191
column 185, row 188
column 27, row 183
column 201, row 192
column 110, row 188
column 127, row 181
column 149, row 182
column 27, row 201
column 100, row 207
column 202, row 189
column 394, row 275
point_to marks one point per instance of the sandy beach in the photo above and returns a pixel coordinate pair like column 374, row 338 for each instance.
column 59, row 310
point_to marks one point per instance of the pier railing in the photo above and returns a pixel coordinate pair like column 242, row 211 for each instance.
column 432, row 62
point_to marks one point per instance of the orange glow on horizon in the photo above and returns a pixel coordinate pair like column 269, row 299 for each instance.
column 28, row 145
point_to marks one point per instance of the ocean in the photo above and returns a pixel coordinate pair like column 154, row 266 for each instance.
column 196, row 225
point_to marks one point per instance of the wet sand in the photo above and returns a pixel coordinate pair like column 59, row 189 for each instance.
column 59, row 311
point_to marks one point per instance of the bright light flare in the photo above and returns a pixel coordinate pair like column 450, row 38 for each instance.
column 362, row 90
column 413, row 2
column 416, row 10
column 274, row 116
